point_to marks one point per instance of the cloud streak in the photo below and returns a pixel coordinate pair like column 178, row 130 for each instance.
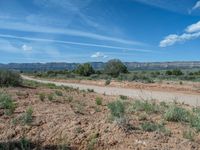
column 71, row 32
column 196, row 6
column 191, row 32
column 74, row 43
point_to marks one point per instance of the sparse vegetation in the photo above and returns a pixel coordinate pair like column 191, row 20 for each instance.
column 145, row 106
column 117, row 109
column 123, row 97
column 42, row 96
column 25, row 119
column 59, row 93
column 99, row 101
column 189, row 134
column 177, row 114
column 6, row 103
column 90, row 90
column 50, row 96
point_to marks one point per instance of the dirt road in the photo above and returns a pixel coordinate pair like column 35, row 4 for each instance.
column 191, row 99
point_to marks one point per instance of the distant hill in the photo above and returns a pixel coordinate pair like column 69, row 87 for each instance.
column 100, row 65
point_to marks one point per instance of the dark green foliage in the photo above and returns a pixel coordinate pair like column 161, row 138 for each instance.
column 175, row 72
column 9, row 78
column 99, row 101
column 117, row 108
column 85, row 70
column 115, row 67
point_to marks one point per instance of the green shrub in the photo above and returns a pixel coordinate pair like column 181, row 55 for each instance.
column 99, row 101
column 145, row 106
column 90, row 90
column 151, row 127
column 117, row 108
column 42, row 96
column 10, row 78
column 189, row 134
column 123, row 97
column 70, row 99
column 107, row 82
column 50, row 96
column 59, row 93
column 27, row 118
column 177, row 114
column 195, row 122
column 6, row 103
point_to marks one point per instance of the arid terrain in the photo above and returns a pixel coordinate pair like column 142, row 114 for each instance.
column 81, row 119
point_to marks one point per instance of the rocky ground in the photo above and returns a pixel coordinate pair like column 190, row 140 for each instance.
column 76, row 119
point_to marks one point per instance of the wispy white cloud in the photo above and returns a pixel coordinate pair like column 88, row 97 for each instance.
column 191, row 32
column 193, row 28
column 75, row 43
column 71, row 32
column 26, row 48
column 99, row 55
column 196, row 6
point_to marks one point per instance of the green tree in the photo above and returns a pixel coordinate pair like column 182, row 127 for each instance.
column 114, row 67
column 85, row 69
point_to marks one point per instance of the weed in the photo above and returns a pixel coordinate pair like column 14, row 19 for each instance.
column 7, row 103
column 107, row 82
column 50, row 96
column 99, row 101
column 189, row 134
column 25, row 118
column 177, row 114
column 59, row 93
column 70, row 98
column 117, row 109
column 42, row 96
column 195, row 121
column 90, row 90
column 123, row 97
column 142, row 117
column 92, row 141
column 145, row 106
column 151, row 127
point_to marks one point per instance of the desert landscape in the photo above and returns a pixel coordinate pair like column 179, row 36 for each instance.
column 99, row 75
column 49, row 116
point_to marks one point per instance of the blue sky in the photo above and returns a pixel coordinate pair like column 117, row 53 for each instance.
column 99, row 30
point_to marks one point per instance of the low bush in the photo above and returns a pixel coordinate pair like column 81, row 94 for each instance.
column 151, row 127
column 9, row 78
column 42, row 96
column 189, row 134
column 6, row 103
column 123, row 97
column 99, row 101
column 59, row 93
column 145, row 106
column 50, row 96
column 25, row 119
column 177, row 114
column 117, row 108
